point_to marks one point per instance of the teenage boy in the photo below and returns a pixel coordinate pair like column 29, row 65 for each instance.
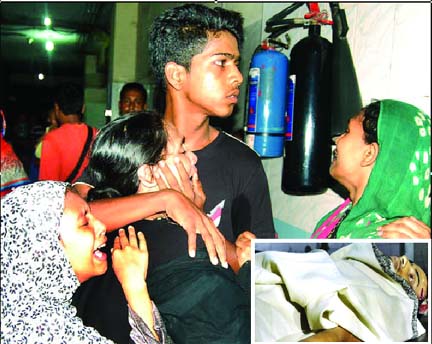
column 194, row 54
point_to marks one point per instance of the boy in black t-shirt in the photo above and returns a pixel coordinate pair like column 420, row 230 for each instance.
column 194, row 52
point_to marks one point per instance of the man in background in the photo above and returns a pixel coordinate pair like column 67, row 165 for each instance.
column 64, row 149
column 133, row 97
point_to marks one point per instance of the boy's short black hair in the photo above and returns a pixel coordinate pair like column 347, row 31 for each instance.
column 134, row 86
column 180, row 33
column 70, row 98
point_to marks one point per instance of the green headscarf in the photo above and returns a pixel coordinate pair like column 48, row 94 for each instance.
column 399, row 184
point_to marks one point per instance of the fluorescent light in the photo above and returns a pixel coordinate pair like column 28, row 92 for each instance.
column 58, row 36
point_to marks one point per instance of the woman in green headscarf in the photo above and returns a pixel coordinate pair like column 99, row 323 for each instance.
column 383, row 159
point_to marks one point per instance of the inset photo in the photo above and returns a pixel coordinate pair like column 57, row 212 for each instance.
column 333, row 291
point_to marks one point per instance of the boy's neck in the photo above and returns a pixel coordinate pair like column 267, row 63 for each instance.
column 195, row 127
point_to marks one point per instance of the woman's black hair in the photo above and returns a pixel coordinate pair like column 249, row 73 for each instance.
column 370, row 122
column 120, row 148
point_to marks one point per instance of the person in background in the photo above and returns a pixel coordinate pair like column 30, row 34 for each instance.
column 65, row 149
column 133, row 98
column 383, row 159
column 194, row 53
column 51, row 243
column 12, row 170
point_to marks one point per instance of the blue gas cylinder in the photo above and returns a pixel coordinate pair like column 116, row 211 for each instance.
column 267, row 96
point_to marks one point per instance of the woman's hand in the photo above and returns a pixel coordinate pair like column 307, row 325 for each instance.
column 130, row 262
column 405, row 228
column 243, row 247
column 130, row 258
column 199, row 195
column 175, row 173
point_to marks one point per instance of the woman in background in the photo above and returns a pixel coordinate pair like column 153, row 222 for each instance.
column 12, row 169
column 383, row 159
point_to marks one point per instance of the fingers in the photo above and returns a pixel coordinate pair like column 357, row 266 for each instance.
column 142, row 242
column 116, row 244
column 173, row 174
column 243, row 246
column 201, row 227
column 417, row 225
column 185, row 184
column 187, row 215
column 244, row 240
column 405, row 228
column 132, row 237
column 214, row 241
column 200, row 196
column 395, row 235
column 167, row 176
column 191, row 242
column 160, row 181
column 124, row 241
column 247, row 235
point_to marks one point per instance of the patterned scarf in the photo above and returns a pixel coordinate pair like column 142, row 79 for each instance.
column 12, row 170
column 399, row 184
column 37, row 278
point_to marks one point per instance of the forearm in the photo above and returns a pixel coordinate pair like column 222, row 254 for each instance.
column 139, row 301
column 118, row 212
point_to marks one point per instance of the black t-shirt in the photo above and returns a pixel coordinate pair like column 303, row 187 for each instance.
column 166, row 241
column 232, row 176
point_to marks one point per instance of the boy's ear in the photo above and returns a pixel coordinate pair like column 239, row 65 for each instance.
column 145, row 176
column 370, row 154
column 175, row 74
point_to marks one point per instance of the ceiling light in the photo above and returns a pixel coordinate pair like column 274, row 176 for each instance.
column 41, row 76
column 58, row 36
column 49, row 45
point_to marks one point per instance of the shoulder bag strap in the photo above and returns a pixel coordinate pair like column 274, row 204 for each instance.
column 83, row 154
